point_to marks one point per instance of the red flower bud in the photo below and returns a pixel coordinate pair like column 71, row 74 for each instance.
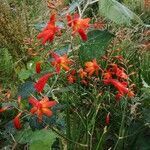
column 107, row 120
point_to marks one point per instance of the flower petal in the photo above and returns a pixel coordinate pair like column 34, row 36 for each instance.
column 38, row 67
column 82, row 34
column 47, row 112
column 33, row 110
column 16, row 121
column 69, row 20
column 39, row 86
column 33, row 101
column 49, row 104
column 3, row 109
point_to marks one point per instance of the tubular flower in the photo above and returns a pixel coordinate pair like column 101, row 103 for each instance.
column 3, row 109
column 107, row 75
column 84, row 82
column 92, row 67
column 60, row 62
column 19, row 102
column 120, row 86
column 16, row 121
column 38, row 67
column 49, row 31
column 107, row 119
column 118, row 96
column 78, row 25
column 119, row 72
column 41, row 107
column 82, row 73
column 39, row 86
column 71, row 77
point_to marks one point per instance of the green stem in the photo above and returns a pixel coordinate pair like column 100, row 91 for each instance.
column 101, row 138
column 121, row 127
column 51, row 88
column 93, row 126
column 68, row 127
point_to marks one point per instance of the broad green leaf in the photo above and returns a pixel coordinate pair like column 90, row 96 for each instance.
column 95, row 46
column 24, row 136
column 30, row 65
column 63, row 50
column 117, row 12
column 24, row 74
column 26, row 89
column 40, row 26
column 42, row 139
column 35, row 124
column 37, row 140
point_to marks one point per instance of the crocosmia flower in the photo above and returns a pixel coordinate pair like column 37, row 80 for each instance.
column 121, row 87
column 71, row 77
column 17, row 122
column 49, row 31
column 107, row 119
column 3, row 109
column 61, row 62
column 78, row 25
column 39, row 86
column 119, row 72
column 41, row 107
column 82, row 73
column 107, row 75
column 92, row 67
column 38, row 67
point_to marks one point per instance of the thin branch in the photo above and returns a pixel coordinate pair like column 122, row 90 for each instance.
column 89, row 2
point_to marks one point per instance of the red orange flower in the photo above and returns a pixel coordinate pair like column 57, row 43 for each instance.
column 82, row 73
column 16, row 121
column 39, row 86
column 78, row 25
column 41, row 107
column 71, row 77
column 119, row 72
column 49, row 31
column 38, row 67
column 3, row 109
column 107, row 119
column 60, row 62
column 107, row 75
column 92, row 67
column 121, row 87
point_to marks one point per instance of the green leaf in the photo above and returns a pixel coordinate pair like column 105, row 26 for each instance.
column 117, row 12
column 26, row 89
column 24, row 136
column 42, row 139
column 6, row 64
column 30, row 65
column 24, row 74
column 95, row 46
column 37, row 140
column 40, row 26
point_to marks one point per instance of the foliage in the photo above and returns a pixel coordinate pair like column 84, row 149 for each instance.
column 117, row 12
column 97, row 41
column 6, row 62
column 83, row 84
